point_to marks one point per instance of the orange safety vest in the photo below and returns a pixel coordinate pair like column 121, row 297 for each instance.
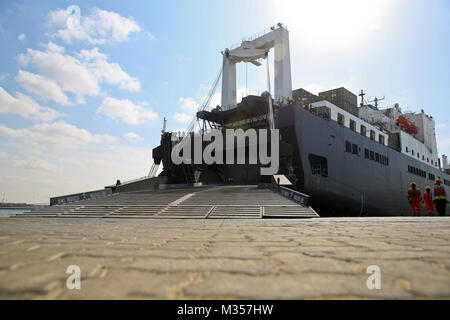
column 439, row 191
column 413, row 194
column 427, row 197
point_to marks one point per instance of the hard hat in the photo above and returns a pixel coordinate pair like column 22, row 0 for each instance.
column 413, row 183
column 428, row 187
column 438, row 180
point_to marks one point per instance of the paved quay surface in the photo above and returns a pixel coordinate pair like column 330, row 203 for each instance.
column 234, row 258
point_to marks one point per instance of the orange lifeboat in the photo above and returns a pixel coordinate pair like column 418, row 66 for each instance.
column 407, row 125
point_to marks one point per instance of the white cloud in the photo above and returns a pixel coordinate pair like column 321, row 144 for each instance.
column 98, row 28
column 133, row 137
column 21, row 37
column 188, row 104
column 59, row 134
column 35, row 163
column 42, row 87
column 182, row 117
column 127, row 111
column 25, row 106
column 80, row 75
column 65, row 70
column 112, row 73
column 151, row 36
column 215, row 100
column 59, row 158
column 30, row 180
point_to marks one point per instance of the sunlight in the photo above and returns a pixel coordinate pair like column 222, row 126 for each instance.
column 329, row 23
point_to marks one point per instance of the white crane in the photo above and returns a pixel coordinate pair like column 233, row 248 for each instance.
column 251, row 51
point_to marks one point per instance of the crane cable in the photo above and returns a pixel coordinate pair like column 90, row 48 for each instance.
column 205, row 105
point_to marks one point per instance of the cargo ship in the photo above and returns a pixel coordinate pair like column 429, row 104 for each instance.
column 351, row 158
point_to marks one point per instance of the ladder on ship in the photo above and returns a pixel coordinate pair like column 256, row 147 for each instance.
column 190, row 174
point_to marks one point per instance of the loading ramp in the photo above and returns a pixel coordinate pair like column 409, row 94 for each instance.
column 206, row 202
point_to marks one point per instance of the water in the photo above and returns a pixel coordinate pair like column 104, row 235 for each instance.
column 11, row 212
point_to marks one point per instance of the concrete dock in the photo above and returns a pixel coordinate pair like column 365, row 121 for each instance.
column 321, row 258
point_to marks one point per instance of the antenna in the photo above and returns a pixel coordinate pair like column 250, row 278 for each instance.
column 164, row 126
column 362, row 94
column 376, row 100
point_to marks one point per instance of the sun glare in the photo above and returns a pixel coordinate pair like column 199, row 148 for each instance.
column 330, row 22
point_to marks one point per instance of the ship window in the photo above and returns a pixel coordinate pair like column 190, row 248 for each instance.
column 377, row 157
column 446, row 182
column 409, row 169
column 372, row 155
column 423, row 157
column 352, row 125
column 372, row 135
column 428, row 160
column 319, row 165
column 407, row 150
column 366, row 153
column 431, row 176
column 412, row 151
column 340, row 119
column 348, row 146
column 418, row 155
column 354, row 149
column 387, row 161
column 381, row 139
column 363, row 130
column 432, row 162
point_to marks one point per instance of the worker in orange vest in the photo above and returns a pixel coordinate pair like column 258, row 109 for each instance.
column 428, row 200
column 440, row 197
column 414, row 197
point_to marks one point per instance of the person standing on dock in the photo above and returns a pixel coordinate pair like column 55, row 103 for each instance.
column 428, row 200
column 440, row 197
column 414, row 197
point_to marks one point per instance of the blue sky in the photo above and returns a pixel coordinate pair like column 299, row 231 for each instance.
column 79, row 110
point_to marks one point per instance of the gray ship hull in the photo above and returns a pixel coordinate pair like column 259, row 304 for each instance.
column 350, row 184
